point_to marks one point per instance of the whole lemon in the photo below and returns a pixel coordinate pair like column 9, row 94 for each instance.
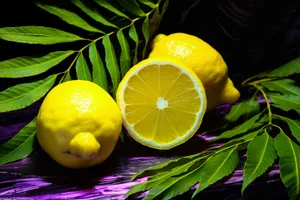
column 204, row 60
column 78, row 124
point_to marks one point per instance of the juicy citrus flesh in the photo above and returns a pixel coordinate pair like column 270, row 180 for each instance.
column 162, row 103
column 78, row 124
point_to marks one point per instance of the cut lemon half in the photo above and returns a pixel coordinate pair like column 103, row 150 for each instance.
column 162, row 102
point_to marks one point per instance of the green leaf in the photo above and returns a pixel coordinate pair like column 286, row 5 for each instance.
column 252, row 107
column 261, row 154
column 146, row 33
column 132, row 6
column 20, row 146
column 242, row 128
column 67, row 77
column 135, row 37
column 185, row 177
column 293, row 124
column 25, row 94
column 287, row 69
column 82, row 69
column 29, row 66
column 284, row 86
column 289, row 164
column 247, row 137
column 99, row 73
column 174, row 186
column 248, row 108
column 286, row 102
column 69, row 17
column 93, row 13
column 217, row 167
column 166, row 166
column 37, row 35
column 164, row 180
column 111, row 62
column 148, row 3
column 111, row 8
column 125, row 57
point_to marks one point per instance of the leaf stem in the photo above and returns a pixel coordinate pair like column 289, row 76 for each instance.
column 127, row 26
column 70, row 66
column 263, row 80
column 101, row 37
column 246, row 82
column 266, row 99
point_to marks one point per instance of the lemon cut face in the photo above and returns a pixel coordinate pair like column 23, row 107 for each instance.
column 162, row 103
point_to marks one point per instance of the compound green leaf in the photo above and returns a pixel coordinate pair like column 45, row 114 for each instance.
column 148, row 3
column 248, row 108
column 125, row 57
column 292, row 67
column 289, row 164
column 111, row 8
column 242, row 128
column 93, row 13
column 146, row 33
column 69, row 17
column 67, row 77
column 37, row 35
column 135, row 37
column 261, row 154
column 82, row 69
column 25, row 94
column 132, row 6
column 99, row 73
column 284, row 86
column 293, row 124
column 217, row 167
column 29, row 66
column 111, row 62
column 20, row 146
column 286, row 102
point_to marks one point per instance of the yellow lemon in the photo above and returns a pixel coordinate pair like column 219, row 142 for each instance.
column 78, row 124
column 204, row 60
column 162, row 102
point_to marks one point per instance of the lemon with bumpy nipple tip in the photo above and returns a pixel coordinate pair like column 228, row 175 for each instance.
column 78, row 124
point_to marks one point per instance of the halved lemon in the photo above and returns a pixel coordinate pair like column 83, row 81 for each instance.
column 162, row 102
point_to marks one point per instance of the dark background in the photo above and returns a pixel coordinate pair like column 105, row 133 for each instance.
column 251, row 35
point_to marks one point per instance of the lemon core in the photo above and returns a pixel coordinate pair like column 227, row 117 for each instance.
column 161, row 103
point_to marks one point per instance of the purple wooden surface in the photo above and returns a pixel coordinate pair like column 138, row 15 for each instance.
column 38, row 177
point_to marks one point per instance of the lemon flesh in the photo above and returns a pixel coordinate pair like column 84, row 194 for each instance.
column 162, row 103
column 78, row 124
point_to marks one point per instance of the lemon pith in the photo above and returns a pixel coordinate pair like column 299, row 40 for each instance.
column 153, row 112
column 78, row 124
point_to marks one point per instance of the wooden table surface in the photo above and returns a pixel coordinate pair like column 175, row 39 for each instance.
column 39, row 177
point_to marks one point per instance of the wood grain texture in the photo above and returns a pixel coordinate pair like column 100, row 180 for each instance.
column 39, row 177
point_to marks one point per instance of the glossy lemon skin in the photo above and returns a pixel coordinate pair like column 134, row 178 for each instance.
column 204, row 60
column 78, row 124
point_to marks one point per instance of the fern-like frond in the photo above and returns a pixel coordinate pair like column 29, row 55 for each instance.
column 118, row 34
